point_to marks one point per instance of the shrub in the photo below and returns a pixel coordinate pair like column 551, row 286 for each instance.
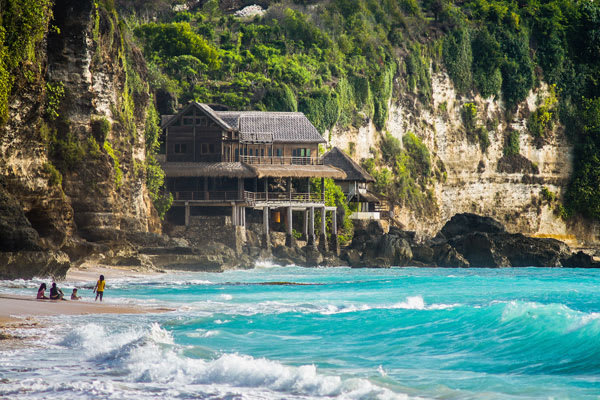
column 100, row 128
column 458, row 58
column 511, row 144
column 547, row 195
column 280, row 99
column 54, row 176
column 54, row 95
column 321, row 108
column 469, row 117
column 117, row 166
column 483, row 137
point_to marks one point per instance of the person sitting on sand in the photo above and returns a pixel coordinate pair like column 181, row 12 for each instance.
column 56, row 293
column 41, row 292
column 99, row 288
column 74, row 295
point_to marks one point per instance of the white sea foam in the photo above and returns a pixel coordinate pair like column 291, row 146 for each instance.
column 149, row 357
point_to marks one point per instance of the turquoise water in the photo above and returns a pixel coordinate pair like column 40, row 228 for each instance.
column 327, row 332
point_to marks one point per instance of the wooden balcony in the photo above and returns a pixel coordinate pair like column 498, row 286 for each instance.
column 250, row 198
column 281, row 160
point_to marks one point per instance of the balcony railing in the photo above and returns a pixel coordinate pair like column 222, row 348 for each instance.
column 281, row 160
column 248, row 197
column 293, row 197
column 210, row 195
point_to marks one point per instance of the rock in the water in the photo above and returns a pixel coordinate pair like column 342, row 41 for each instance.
column 579, row 260
column 524, row 251
column 422, row 253
column 447, row 256
column 463, row 224
column 480, row 250
column 390, row 250
column 352, row 257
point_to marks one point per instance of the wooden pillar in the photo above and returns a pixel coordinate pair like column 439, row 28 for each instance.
column 334, row 222
column 305, row 227
column 311, row 228
column 240, row 182
column 266, row 188
column 289, row 237
column 323, row 236
column 234, row 214
column 243, row 216
column 266, row 227
column 187, row 213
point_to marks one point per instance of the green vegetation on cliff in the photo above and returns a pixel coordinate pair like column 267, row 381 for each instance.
column 23, row 25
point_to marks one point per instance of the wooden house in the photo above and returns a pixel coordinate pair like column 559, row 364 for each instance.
column 354, row 184
column 230, row 161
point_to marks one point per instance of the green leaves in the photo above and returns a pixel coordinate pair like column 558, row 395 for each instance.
column 177, row 39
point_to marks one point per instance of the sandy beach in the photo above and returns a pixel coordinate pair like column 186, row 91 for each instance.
column 17, row 311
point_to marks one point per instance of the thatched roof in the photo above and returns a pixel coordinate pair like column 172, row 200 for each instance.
column 354, row 172
column 210, row 169
column 368, row 197
column 296, row 171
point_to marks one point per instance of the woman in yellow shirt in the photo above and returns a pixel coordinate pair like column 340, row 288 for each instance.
column 99, row 288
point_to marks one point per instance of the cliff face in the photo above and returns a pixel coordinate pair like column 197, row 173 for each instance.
column 73, row 149
column 488, row 182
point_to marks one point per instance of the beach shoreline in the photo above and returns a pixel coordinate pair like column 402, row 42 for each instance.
column 18, row 312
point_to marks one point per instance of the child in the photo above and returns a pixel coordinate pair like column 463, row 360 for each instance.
column 74, row 295
column 99, row 288
column 56, row 293
column 41, row 292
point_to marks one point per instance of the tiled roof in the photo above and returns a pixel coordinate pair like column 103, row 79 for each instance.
column 285, row 126
column 354, row 172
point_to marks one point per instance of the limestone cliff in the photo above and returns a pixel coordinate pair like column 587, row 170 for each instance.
column 73, row 148
column 478, row 181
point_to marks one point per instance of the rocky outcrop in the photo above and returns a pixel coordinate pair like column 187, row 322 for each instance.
column 466, row 240
column 29, row 264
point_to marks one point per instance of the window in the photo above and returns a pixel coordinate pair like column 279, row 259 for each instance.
column 251, row 153
column 204, row 149
column 211, row 148
column 279, row 153
column 180, row 148
column 188, row 121
column 262, row 152
column 302, row 152
column 201, row 121
column 270, row 152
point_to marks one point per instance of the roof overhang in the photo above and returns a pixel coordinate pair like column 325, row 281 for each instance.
column 296, row 171
column 213, row 170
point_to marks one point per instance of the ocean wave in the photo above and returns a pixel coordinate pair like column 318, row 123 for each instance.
column 151, row 357
column 279, row 307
